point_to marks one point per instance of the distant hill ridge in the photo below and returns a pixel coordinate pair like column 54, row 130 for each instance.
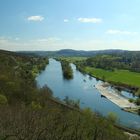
column 70, row 52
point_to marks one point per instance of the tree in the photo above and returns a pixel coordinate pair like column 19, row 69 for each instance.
column 139, row 111
column 138, row 101
column 112, row 117
column 138, row 93
column 67, row 70
column 3, row 100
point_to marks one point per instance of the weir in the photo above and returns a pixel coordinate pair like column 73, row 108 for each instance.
column 120, row 101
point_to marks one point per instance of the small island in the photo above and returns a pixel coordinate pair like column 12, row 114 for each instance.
column 67, row 70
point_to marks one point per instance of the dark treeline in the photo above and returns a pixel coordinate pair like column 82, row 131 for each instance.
column 29, row 113
column 127, row 60
column 67, row 70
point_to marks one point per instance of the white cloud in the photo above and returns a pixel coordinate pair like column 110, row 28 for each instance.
column 102, row 44
column 35, row 18
column 54, row 43
column 48, row 40
column 3, row 40
column 90, row 20
column 120, row 32
column 66, row 20
column 50, row 43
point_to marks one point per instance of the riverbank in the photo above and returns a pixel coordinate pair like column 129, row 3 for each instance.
column 122, row 79
column 120, row 101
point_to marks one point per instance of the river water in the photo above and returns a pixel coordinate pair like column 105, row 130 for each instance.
column 81, row 87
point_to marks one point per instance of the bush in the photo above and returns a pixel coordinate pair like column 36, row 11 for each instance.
column 138, row 92
column 67, row 70
column 112, row 117
column 131, row 100
column 139, row 111
column 138, row 101
column 3, row 100
column 35, row 105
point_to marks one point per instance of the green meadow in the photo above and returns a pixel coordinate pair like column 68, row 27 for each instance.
column 125, row 77
column 117, row 76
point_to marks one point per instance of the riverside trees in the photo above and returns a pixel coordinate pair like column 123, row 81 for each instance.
column 28, row 113
column 67, row 70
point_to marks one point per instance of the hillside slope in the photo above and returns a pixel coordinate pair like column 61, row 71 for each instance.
column 29, row 113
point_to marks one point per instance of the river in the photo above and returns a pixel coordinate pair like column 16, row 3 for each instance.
column 81, row 87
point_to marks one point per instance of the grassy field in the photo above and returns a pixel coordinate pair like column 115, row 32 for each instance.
column 118, row 76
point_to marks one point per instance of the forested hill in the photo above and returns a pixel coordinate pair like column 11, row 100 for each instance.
column 127, row 60
column 69, row 52
column 29, row 113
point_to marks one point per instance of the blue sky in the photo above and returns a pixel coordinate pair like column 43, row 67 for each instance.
column 69, row 24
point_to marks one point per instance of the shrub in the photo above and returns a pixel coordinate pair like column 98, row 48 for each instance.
column 138, row 101
column 112, row 117
column 3, row 100
column 131, row 100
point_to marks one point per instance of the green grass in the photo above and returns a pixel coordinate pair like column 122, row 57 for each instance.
column 118, row 76
column 73, row 59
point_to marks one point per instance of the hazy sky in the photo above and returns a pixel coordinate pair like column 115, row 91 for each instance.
column 73, row 24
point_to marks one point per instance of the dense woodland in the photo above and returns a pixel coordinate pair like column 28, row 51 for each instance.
column 128, row 60
column 29, row 113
